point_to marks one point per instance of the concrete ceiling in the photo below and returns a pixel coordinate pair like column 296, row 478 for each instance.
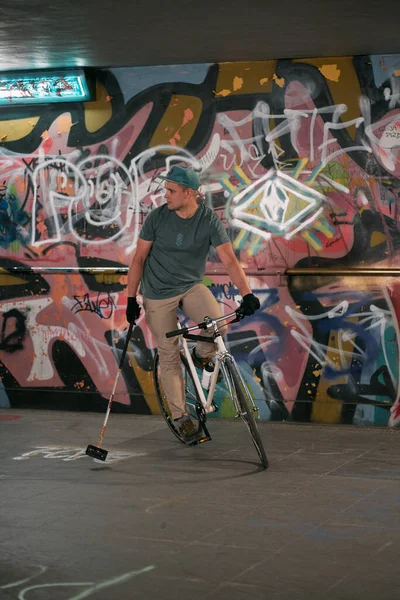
column 60, row 33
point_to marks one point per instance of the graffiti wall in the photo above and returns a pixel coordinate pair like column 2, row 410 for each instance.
column 301, row 161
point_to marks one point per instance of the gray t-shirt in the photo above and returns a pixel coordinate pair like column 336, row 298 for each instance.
column 177, row 258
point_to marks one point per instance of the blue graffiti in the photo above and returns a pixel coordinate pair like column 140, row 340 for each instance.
column 367, row 338
column 13, row 220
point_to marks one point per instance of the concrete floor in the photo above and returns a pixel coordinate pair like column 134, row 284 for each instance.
column 162, row 520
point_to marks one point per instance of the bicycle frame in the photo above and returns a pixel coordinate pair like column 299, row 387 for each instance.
column 222, row 355
column 203, row 402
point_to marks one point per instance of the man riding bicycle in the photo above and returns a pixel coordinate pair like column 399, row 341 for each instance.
column 169, row 262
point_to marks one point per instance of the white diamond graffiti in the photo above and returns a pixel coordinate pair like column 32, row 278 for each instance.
column 276, row 204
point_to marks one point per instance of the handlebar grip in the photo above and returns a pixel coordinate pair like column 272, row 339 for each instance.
column 171, row 334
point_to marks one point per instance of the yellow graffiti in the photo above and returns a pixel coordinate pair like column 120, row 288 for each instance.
column 99, row 112
column 223, row 93
column 330, row 72
column 179, row 122
column 7, row 279
column 146, row 383
column 237, row 83
column 16, row 129
column 278, row 80
column 326, row 409
column 378, row 238
column 256, row 77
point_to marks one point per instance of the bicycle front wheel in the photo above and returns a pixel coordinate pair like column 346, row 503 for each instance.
column 193, row 402
column 245, row 410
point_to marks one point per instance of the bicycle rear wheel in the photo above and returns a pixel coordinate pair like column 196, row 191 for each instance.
column 246, row 411
column 193, row 403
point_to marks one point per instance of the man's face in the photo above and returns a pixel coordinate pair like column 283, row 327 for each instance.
column 175, row 195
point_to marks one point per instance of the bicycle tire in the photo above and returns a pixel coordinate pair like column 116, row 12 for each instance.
column 162, row 400
column 246, row 412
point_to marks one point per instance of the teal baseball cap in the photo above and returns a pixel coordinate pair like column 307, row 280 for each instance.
column 185, row 176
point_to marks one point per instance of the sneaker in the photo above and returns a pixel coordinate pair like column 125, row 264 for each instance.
column 200, row 362
column 187, row 429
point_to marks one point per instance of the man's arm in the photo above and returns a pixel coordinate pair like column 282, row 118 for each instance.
column 235, row 271
column 250, row 303
column 136, row 269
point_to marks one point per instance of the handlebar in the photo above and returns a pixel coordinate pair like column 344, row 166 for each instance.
column 183, row 330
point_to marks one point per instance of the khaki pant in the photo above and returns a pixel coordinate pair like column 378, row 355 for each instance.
column 197, row 303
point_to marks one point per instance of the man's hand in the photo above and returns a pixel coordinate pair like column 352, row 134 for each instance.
column 250, row 304
column 132, row 310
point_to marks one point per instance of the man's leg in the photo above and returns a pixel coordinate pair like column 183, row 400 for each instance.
column 161, row 318
column 197, row 303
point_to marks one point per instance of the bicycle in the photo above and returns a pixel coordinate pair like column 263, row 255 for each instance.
column 198, row 405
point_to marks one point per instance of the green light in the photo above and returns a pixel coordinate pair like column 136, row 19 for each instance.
column 43, row 87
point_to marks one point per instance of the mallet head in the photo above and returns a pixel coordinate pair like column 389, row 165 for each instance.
column 96, row 452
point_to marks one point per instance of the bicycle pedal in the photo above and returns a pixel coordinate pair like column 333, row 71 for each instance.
column 199, row 440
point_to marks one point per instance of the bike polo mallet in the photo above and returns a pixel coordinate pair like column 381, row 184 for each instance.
column 96, row 451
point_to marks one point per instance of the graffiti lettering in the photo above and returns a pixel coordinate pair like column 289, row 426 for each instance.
column 11, row 341
column 103, row 304
column 226, row 290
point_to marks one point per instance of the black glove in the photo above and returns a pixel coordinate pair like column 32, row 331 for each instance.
column 250, row 304
column 132, row 309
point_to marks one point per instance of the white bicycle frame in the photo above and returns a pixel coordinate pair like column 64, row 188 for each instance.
column 221, row 354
